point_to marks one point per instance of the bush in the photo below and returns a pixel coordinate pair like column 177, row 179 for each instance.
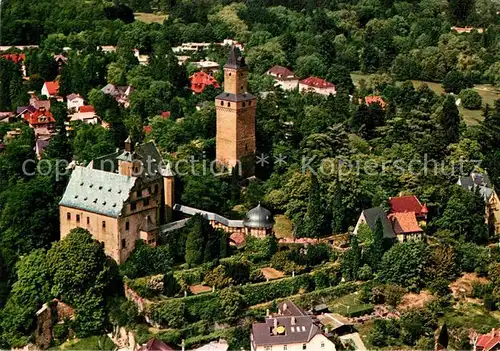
column 262, row 292
column 171, row 314
column 471, row 99
column 455, row 81
column 365, row 273
column 145, row 260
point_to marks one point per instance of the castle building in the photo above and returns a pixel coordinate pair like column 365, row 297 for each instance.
column 235, row 140
column 120, row 198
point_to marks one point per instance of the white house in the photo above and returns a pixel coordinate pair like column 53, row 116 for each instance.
column 86, row 114
column 50, row 89
column 283, row 77
column 74, row 101
column 291, row 329
column 317, row 85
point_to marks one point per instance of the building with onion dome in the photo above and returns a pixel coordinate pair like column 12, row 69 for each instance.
column 258, row 221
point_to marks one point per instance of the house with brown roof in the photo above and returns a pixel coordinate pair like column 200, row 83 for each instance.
column 283, row 77
column 404, row 220
column 290, row 329
column 74, row 101
column 318, row 86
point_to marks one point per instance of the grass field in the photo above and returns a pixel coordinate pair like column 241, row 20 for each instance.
column 488, row 92
column 150, row 17
column 467, row 315
column 348, row 305
column 283, row 227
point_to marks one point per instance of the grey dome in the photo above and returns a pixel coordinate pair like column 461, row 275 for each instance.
column 259, row 217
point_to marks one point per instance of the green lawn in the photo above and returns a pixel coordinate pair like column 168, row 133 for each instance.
column 349, row 305
column 472, row 316
column 283, row 227
column 150, row 17
column 102, row 342
column 488, row 92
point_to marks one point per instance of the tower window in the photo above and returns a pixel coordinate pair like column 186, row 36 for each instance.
column 146, row 202
column 243, row 104
column 68, row 216
column 77, row 218
column 241, row 87
column 88, row 220
column 246, row 147
column 229, row 73
column 133, row 206
column 250, row 102
column 104, row 224
column 222, row 103
column 124, row 243
column 228, row 104
column 127, row 225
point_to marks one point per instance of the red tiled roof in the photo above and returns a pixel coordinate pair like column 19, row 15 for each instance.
column 488, row 341
column 317, row 83
column 165, row 114
column 237, row 239
column 14, row 57
column 281, row 72
column 404, row 222
column 372, row 99
column 52, row 87
column 405, row 204
column 34, row 118
column 200, row 80
column 86, row 108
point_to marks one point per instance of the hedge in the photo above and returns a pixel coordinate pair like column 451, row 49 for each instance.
column 262, row 292
column 190, row 276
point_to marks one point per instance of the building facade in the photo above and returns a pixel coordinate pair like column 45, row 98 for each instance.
column 119, row 198
column 235, row 139
column 291, row 329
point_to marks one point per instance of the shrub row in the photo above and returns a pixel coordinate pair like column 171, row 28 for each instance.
column 262, row 292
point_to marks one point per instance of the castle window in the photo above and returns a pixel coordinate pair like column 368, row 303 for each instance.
column 222, row 103
column 250, row 102
column 241, row 87
column 228, row 104
column 88, row 220
column 127, row 226
column 322, row 345
column 124, row 243
column 133, row 206
column 146, row 202
column 304, row 346
column 139, row 193
column 243, row 104
column 104, row 224
column 68, row 216
column 77, row 218
column 229, row 73
column 246, row 147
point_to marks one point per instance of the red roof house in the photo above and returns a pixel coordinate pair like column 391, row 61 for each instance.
column 86, row 108
column 317, row 85
column 200, row 80
column 404, row 223
column 489, row 342
column 16, row 58
column 408, row 204
column 50, row 89
column 41, row 121
column 281, row 73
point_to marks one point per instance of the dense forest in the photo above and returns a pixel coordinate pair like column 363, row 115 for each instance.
column 393, row 41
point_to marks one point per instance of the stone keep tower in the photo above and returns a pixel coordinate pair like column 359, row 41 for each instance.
column 235, row 141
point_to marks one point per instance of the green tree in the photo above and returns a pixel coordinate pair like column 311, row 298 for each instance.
column 449, row 121
column 232, row 302
column 351, row 261
column 471, row 99
column 377, row 247
column 404, row 265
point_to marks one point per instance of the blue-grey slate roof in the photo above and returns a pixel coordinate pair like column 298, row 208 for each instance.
column 97, row 191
